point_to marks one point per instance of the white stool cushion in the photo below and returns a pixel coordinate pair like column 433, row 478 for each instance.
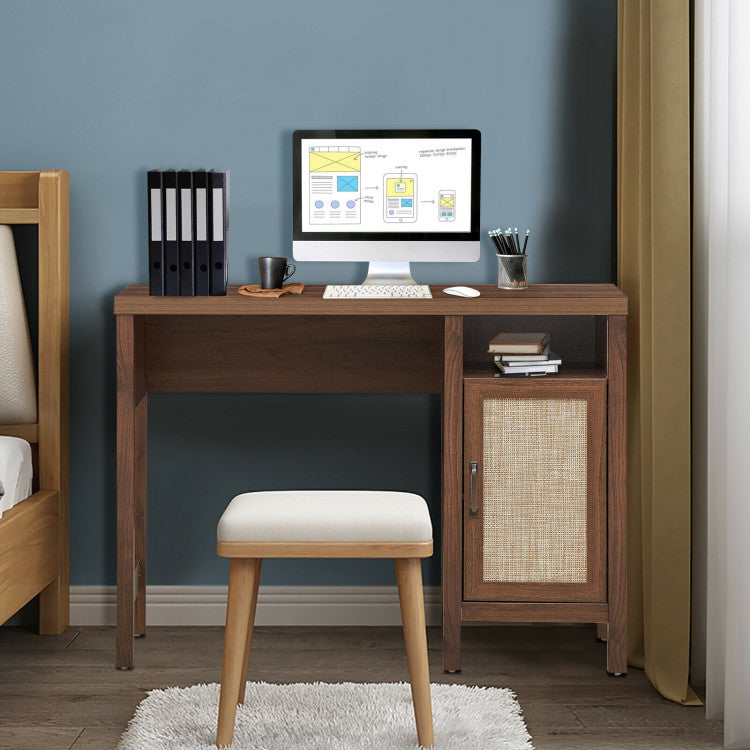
column 326, row 516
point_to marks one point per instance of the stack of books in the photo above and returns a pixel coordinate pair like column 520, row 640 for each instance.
column 188, row 214
column 523, row 354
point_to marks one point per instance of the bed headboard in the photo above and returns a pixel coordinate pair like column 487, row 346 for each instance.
column 42, row 198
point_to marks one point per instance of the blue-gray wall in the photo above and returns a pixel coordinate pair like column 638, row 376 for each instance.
column 108, row 90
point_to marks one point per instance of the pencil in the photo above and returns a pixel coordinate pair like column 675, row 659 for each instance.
column 498, row 241
column 503, row 243
column 509, row 240
column 494, row 239
column 526, row 240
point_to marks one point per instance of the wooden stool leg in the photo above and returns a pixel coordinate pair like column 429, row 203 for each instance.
column 411, row 599
column 239, row 603
column 249, row 638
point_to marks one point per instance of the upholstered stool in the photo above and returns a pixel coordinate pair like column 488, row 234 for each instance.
column 307, row 524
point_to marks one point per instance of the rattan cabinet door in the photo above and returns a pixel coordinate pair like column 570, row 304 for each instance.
column 535, row 490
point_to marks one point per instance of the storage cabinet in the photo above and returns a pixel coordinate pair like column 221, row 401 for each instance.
column 534, row 505
column 535, row 490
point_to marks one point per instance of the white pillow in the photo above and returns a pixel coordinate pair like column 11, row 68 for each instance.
column 17, row 382
column 15, row 471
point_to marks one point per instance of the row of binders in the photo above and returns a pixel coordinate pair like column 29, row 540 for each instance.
column 188, row 214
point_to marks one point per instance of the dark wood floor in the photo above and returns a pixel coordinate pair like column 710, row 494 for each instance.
column 63, row 693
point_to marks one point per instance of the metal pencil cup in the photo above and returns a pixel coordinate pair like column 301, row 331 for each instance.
column 511, row 271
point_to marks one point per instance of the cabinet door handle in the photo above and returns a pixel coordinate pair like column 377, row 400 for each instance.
column 473, row 508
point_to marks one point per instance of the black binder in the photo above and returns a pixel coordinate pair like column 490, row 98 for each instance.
column 218, row 215
column 155, row 234
column 171, row 245
column 200, row 226
column 185, row 230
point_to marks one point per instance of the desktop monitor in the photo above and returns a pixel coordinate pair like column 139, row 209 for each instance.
column 389, row 197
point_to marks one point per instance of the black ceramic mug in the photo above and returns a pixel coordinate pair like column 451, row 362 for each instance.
column 274, row 272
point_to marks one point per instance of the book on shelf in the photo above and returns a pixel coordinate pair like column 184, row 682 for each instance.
column 525, row 354
column 523, row 357
column 518, row 343
column 531, row 368
column 522, row 360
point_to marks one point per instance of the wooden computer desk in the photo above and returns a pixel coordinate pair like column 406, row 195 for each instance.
column 305, row 344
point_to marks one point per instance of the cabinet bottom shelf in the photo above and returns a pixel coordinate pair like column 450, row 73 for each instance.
column 573, row 371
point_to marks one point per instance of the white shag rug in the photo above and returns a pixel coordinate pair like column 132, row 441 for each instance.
column 322, row 716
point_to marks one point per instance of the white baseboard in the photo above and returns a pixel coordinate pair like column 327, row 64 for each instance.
column 277, row 605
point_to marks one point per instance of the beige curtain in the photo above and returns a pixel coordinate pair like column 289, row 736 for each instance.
column 653, row 251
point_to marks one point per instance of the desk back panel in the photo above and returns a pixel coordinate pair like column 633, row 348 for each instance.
column 294, row 354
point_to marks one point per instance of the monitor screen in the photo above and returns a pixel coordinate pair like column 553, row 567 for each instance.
column 386, row 185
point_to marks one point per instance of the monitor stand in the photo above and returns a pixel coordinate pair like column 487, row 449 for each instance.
column 389, row 273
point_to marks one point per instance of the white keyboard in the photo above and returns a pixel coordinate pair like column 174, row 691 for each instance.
column 377, row 291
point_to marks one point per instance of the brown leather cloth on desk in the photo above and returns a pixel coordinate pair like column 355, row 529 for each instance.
column 255, row 290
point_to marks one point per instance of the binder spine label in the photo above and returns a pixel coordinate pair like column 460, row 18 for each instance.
column 200, row 215
column 171, row 211
column 155, row 196
column 187, row 219
column 218, row 214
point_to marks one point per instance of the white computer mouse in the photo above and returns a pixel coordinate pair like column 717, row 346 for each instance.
column 462, row 291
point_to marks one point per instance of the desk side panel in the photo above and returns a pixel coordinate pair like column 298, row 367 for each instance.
column 290, row 354
column 617, row 656
column 452, row 519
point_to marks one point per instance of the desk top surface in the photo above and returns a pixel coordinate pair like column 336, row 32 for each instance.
column 537, row 299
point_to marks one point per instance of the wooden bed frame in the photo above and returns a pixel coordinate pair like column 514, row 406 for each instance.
column 34, row 535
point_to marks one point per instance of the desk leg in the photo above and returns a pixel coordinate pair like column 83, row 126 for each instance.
column 452, row 517
column 617, row 646
column 140, row 422
column 131, row 446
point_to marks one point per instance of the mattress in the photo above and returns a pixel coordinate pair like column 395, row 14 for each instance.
column 15, row 472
